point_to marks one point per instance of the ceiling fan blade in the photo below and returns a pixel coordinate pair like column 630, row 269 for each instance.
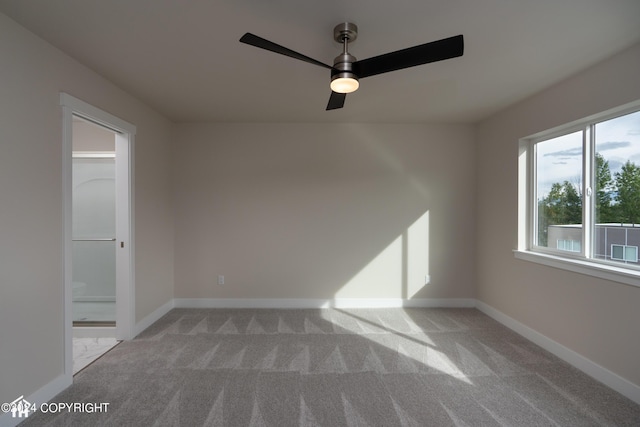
column 423, row 54
column 336, row 100
column 253, row 40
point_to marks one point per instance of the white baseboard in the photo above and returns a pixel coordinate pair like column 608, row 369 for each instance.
column 605, row 376
column 292, row 303
column 43, row 395
column 154, row 316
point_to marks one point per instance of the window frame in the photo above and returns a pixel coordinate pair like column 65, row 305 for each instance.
column 584, row 261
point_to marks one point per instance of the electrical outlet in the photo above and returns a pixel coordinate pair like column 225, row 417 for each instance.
column 220, row 280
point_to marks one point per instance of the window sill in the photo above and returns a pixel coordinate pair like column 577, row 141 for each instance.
column 602, row 271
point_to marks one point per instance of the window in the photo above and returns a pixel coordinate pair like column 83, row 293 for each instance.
column 569, row 245
column 624, row 253
column 579, row 192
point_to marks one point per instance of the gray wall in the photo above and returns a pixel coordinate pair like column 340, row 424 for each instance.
column 32, row 75
column 597, row 318
column 321, row 211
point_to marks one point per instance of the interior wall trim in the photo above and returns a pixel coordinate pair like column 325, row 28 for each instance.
column 600, row 373
column 153, row 317
column 293, row 303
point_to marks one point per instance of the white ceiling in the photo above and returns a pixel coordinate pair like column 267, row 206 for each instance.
column 183, row 58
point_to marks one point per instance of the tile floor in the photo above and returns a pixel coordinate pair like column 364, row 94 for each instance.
column 86, row 350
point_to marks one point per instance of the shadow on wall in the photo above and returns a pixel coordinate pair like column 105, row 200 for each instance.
column 321, row 211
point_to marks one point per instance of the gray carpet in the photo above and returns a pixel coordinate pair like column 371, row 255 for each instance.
column 356, row 367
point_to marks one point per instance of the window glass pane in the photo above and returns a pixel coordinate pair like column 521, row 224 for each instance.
column 617, row 252
column 617, row 185
column 631, row 253
column 576, row 246
column 559, row 191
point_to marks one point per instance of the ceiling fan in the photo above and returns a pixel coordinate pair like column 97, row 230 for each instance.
column 346, row 70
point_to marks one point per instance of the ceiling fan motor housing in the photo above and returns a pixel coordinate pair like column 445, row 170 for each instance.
column 343, row 67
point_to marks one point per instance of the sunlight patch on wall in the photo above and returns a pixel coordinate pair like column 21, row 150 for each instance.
column 417, row 256
column 400, row 270
column 380, row 278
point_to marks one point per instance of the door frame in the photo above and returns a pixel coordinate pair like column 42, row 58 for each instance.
column 125, row 247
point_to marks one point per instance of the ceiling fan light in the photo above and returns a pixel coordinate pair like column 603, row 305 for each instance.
column 344, row 84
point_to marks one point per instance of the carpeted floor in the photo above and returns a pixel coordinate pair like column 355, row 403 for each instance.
column 334, row 367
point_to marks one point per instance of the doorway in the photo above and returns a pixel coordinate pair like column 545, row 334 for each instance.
column 93, row 282
column 99, row 274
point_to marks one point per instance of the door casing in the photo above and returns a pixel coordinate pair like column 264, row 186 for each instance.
column 125, row 245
